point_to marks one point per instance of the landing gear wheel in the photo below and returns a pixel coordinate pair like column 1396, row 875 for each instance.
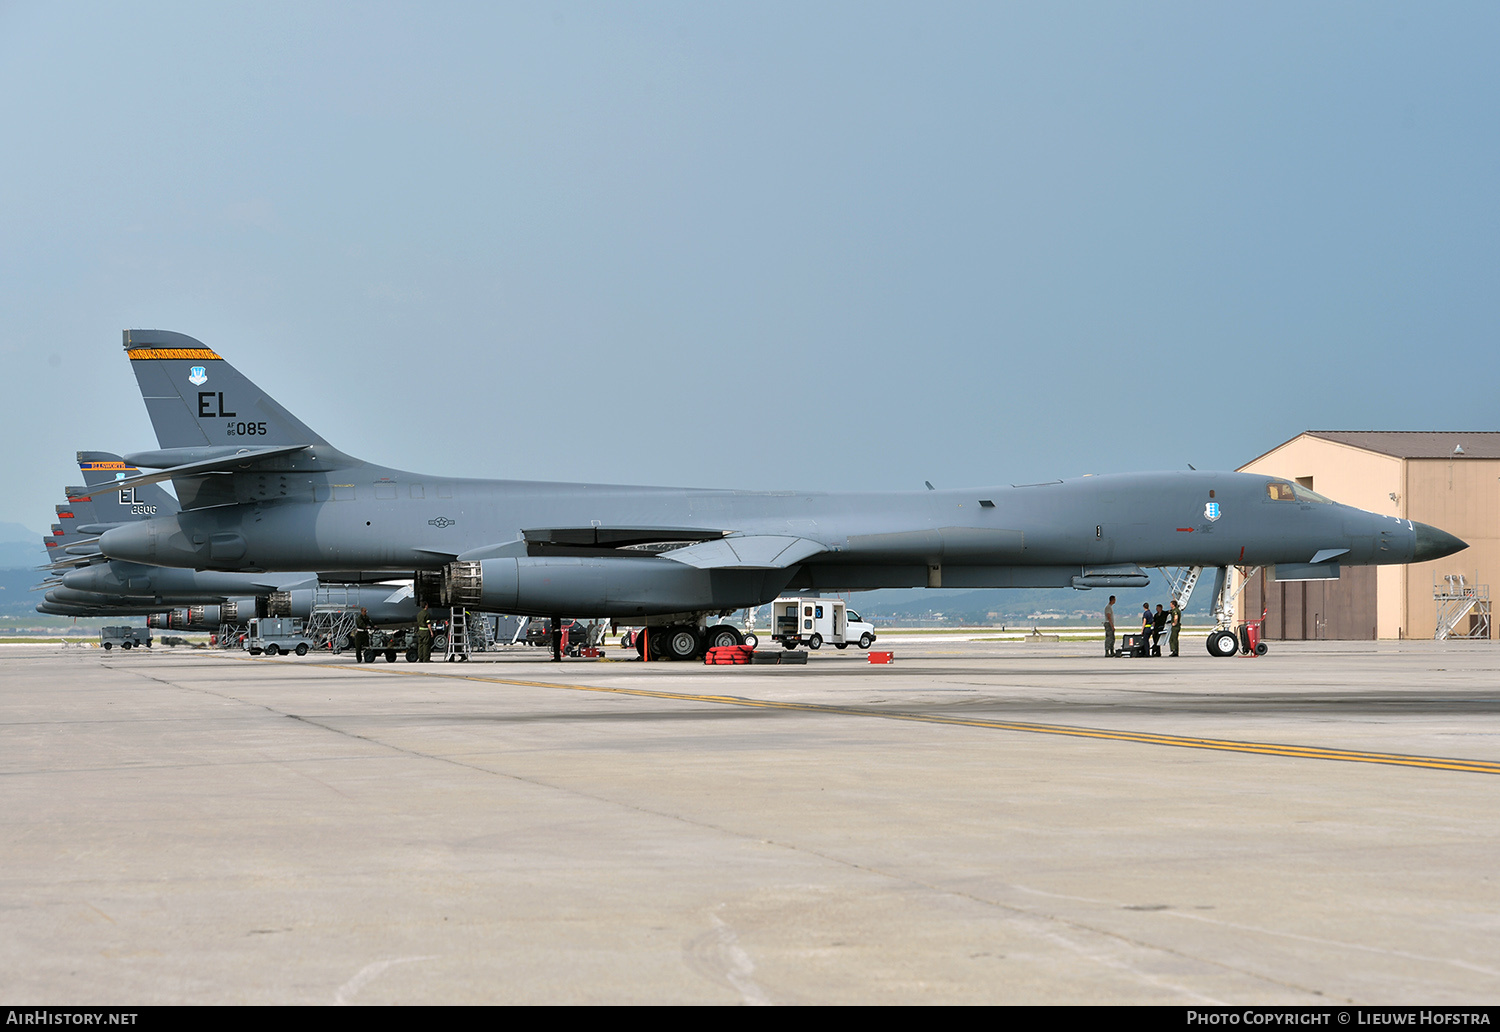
column 1223, row 644
column 302, row 648
column 723, row 636
column 751, row 639
column 682, row 642
column 815, row 642
column 865, row 641
column 654, row 639
column 273, row 649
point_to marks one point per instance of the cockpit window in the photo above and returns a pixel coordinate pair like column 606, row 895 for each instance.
column 1307, row 494
column 1282, row 492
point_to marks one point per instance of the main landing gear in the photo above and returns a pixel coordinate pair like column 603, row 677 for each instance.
column 684, row 642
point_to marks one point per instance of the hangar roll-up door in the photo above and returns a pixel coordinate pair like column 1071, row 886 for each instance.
column 1331, row 610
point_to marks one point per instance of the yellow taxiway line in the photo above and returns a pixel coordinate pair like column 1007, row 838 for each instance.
column 1304, row 752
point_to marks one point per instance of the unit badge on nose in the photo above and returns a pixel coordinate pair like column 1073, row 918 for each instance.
column 197, row 376
column 1211, row 511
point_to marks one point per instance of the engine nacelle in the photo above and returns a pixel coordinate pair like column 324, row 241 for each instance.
column 211, row 617
column 196, row 618
column 603, row 586
column 175, row 619
column 429, row 588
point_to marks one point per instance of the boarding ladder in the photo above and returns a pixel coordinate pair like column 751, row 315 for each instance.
column 458, row 636
column 1182, row 581
column 1459, row 600
column 333, row 616
column 229, row 635
column 481, row 632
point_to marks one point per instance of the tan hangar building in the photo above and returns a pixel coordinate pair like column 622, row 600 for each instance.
column 1448, row 480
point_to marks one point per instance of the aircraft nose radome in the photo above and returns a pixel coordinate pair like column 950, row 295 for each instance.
column 1434, row 544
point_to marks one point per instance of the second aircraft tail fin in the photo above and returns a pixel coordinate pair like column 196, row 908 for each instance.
column 149, row 500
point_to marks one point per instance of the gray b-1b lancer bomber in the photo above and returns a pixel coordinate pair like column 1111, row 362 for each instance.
column 260, row 491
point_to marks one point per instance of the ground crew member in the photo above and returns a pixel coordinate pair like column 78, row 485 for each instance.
column 1144, row 645
column 1158, row 622
column 362, row 626
column 1109, row 627
column 424, row 637
column 1176, row 626
column 359, row 638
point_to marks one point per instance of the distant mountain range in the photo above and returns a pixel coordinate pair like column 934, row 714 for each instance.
column 21, row 552
column 16, row 596
column 20, row 547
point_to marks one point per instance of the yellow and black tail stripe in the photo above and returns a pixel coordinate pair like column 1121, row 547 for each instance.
column 1301, row 752
column 177, row 354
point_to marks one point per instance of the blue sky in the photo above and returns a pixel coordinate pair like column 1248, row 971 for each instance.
column 654, row 242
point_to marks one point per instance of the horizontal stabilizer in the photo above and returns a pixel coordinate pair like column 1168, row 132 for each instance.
column 241, row 459
column 747, row 552
column 69, row 562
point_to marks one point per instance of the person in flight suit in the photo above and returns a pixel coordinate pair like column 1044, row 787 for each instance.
column 363, row 625
column 424, row 636
column 1176, row 619
column 1158, row 622
column 358, row 639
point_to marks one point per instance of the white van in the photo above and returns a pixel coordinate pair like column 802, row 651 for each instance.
column 813, row 621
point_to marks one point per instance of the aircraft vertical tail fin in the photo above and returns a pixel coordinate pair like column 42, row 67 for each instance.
column 142, row 502
column 196, row 399
column 78, row 510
